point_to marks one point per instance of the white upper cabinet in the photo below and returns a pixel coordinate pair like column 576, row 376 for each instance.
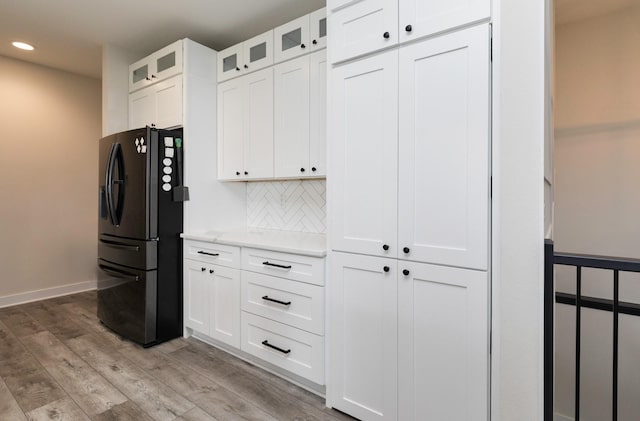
column 443, row 343
column 291, row 39
column 248, row 56
column 362, row 27
column 318, row 29
column 292, row 118
column 159, row 105
column 245, row 127
column 364, row 155
column 162, row 64
column 420, row 18
column 444, row 150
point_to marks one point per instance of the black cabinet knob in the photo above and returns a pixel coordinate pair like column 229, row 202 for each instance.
column 406, row 250
column 246, row 173
column 385, row 247
column 386, row 35
column 408, row 28
column 313, row 169
column 246, row 67
column 237, row 172
column 210, row 270
column 153, row 76
column 147, row 78
column 303, row 46
column 314, row 42
column 406, row 272
column 203, row 269
column 386, row 268
column 237, row 69
column 301, row 169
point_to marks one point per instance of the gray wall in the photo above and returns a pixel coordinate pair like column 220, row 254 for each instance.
column 50, row 124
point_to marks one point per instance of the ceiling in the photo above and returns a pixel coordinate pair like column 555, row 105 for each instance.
column 568, row 11
column 69, row 34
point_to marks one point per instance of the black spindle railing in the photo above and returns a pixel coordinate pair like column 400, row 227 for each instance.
column 616, row 265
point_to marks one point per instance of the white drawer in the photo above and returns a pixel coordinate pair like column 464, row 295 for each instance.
column 290, row 302
column 292, row 349
column 217, row 254
column 285, row 265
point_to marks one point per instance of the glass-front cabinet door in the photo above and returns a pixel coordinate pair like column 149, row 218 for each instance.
column 318, row 29
column 291, row 39
column 258, row 52
column 167, row 62
column 230, row 62
column 139, row 75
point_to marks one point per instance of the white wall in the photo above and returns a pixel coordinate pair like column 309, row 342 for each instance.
column 50, row 123
column 518, row 209
column 597, row 159
column 115, row 88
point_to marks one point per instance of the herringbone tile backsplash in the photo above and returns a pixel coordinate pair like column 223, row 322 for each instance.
column 299, row 205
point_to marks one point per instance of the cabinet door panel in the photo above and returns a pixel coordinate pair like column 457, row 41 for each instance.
column 167, row 62
column 444, row 150
column 258, row 52
column 230, row 129
column 433, row 16
column 196, row 295
column 258, row 116
column 318, row 29
column 292, row 118
column 140, row 74
column 363, row 128
column 364, row 336
column 443, row 319
column 142, row 108
column 318, row 114
column 169, row 102
column 230, row 62
column 225, row 305
column 360, row 28
column 291, row 39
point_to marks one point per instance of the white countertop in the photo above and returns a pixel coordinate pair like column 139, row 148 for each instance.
column 309, row 244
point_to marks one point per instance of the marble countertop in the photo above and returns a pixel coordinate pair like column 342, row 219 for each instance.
column 309, row 244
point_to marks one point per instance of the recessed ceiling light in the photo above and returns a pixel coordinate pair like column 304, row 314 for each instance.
column 22, row 45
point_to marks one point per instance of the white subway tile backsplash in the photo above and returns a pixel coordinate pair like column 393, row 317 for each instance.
column 298, row 205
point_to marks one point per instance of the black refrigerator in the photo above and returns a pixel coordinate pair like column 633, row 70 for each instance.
column 139, row 245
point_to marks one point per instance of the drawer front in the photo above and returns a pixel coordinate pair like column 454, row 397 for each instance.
column 290, row 266
column 292, row 349
column 218, row 254
column 290, row 302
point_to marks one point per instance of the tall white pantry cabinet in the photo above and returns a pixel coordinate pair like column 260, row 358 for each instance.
column 409, row 202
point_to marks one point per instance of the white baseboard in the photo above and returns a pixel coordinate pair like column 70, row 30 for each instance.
column 43, row 294
column 560, row 417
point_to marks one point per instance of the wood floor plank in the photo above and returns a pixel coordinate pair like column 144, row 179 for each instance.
column 62, row 410
column 31, row 386
column 271, row 399
column 20, row 323
column 54, row 320
column 197, row 414
column 172, row 345
column 153, row 397
column 125, row 411
column 209, row 395
column 9, row 408
column 88, row 319
column 10, row 346
column 81, row 382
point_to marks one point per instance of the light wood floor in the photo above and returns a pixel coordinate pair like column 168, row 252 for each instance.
column 57, row 362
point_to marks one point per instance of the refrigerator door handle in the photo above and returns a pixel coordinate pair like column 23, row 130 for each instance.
column 121, row 246
column 115, row 157
column 119, row 273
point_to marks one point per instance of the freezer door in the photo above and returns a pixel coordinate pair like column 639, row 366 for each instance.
column 127, row 301
column 137, row 254
column 129, row 184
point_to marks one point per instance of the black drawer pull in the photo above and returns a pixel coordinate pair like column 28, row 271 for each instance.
column 208, row 254
column 284, row 351
column 284, row 303
column 276, row 265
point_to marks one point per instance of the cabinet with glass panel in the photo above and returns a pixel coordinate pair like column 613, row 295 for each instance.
column 161, row 65
column 245, row 57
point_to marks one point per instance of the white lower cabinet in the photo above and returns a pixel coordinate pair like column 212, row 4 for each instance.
column 212, row 301
column 409, row 340
column 267, row 304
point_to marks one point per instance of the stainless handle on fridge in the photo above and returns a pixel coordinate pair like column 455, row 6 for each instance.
column 121, row 246
column 119, row 273
column 115, row 157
